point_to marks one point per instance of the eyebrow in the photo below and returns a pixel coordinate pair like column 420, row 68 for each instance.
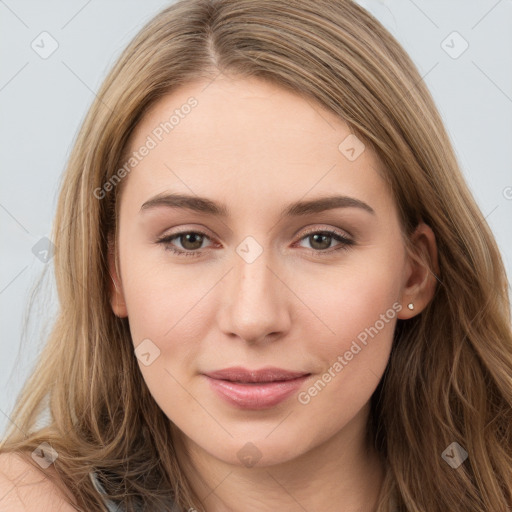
column 296, row 209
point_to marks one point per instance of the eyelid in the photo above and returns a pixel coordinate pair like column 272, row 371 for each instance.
column 316, row 229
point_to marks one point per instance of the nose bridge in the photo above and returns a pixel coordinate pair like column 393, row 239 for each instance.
column 253, row 278
column 256, row 306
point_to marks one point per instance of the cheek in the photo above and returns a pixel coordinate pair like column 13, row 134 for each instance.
column 172, row 306
column 347, row 331
column 361, row 308
column 168, row 308
column 351, row 298
column 158, row 293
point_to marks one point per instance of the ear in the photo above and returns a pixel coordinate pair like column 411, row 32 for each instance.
column 116, row 290
column 422, row 272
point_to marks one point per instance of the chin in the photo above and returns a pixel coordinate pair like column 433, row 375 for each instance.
column 256, row 453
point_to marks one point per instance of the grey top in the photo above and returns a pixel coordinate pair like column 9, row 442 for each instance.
column 114, row 507
column 111, row 505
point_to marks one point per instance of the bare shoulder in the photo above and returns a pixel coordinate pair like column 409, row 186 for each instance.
column 23, row 487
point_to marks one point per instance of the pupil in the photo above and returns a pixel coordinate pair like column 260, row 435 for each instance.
column 323, row 239
column 195, row 239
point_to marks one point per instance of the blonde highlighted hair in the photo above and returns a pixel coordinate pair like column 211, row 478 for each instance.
column 449, row 376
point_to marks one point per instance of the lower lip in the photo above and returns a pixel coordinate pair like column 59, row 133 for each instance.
column 256, row 396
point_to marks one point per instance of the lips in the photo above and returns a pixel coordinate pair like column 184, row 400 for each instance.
column 243, row 375
column 255, row 389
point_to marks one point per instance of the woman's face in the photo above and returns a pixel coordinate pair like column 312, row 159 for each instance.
column 256, row 231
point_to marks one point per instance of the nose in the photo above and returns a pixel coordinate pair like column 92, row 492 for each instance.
column 256, row 301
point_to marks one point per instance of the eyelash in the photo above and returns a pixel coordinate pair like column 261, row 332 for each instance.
column 345, row 244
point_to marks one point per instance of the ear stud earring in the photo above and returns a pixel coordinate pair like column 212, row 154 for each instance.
column 410, row 306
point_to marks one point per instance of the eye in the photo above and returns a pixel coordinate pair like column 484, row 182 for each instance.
column 192, row 242
column 320, row 241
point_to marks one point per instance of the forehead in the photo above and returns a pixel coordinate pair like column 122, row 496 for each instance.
column 249, row 142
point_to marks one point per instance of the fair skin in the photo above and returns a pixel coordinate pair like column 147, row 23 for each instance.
column 28, row 488
column 256, row 148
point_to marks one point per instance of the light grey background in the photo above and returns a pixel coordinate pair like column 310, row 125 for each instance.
column 44, row 100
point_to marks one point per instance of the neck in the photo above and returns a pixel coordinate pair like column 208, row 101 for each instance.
column 343, row 474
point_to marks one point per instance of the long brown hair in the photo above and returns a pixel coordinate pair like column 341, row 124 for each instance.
column 449, row 377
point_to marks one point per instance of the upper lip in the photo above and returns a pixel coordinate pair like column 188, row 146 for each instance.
column 268, row 374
